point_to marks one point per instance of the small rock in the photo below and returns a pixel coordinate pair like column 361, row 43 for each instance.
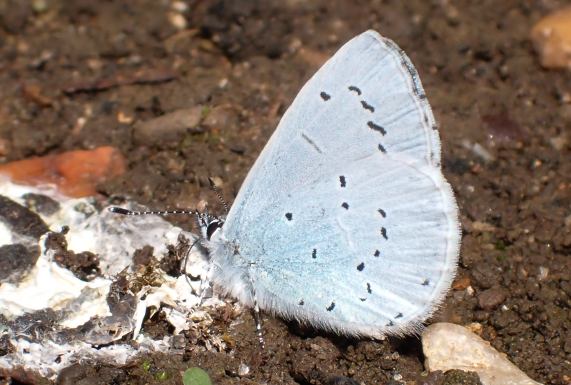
column 221, row 117
column 461, row 283
column 485, row 276
column 447, row 346
column 551, row 37
column 20, row 220
column 482, row 227
column 460, row 377
column 75, row 173
column 491, row 298
column 243, row 370
column 169, row 127
column 177, row 20
column 558, row 142
column 41, row 204
column 15, row 260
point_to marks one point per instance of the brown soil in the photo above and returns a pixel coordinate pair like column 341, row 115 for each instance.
column 116, row 63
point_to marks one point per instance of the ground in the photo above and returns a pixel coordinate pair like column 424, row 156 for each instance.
column 81, row 74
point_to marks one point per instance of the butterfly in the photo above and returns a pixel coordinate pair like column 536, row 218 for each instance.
column 345, row 221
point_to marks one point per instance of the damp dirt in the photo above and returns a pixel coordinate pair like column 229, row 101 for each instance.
column 82, row 74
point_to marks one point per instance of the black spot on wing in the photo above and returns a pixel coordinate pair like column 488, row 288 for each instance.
column 382, row 212
column 426, row 282
column 345, row 205
column 330, row 307
column 361, row 266
column 325, row 96
column 377, row 253
column 369, row 288
column 342, row 181
column 376, row 127
column 314, row 254
column 355, row 89
column 382, row 149
column 301, row 302
column 384, row 233
column 289, row 216
column 399, row 315
column 367, row 106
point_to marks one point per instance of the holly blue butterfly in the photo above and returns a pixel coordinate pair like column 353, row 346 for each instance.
column 345, row 221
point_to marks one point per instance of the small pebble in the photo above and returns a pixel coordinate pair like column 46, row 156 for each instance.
column 447, row 346
column 491, row 298
column 551, row 37
column 169, row 127
column 243, row 370
column 461, row 283
column 177, row 20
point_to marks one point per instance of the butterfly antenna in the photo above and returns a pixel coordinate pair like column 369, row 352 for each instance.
column 219, row 194
column 122, row 211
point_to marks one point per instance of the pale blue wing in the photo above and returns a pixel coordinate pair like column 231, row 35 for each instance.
column 345, row 220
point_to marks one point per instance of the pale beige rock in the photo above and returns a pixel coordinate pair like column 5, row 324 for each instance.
column 551, row 37
column 169, row 127
column 447, row 346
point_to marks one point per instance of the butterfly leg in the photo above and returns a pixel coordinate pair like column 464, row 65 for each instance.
column 204, row 281
column 257, row 314
column 204, row 285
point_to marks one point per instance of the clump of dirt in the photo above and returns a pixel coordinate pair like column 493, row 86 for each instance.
column 82, row 74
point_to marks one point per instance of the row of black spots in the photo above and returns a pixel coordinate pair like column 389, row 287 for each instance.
column 289, row 216
column 314, row 254
column 328, row 308
column 325, row 96
column 342, row 181
column 367, row 106
column 376, row 127
column 384, row 233
column 391, row 323
column 369, row 290
column 355, row 89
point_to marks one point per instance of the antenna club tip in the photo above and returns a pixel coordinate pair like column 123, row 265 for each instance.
column 119, row 210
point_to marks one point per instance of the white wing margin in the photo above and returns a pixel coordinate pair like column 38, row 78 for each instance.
column 345, row 221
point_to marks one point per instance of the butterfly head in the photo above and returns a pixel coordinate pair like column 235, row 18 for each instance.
column 209, row 224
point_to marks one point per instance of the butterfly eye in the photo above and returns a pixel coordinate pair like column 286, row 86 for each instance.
column 212, row 227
